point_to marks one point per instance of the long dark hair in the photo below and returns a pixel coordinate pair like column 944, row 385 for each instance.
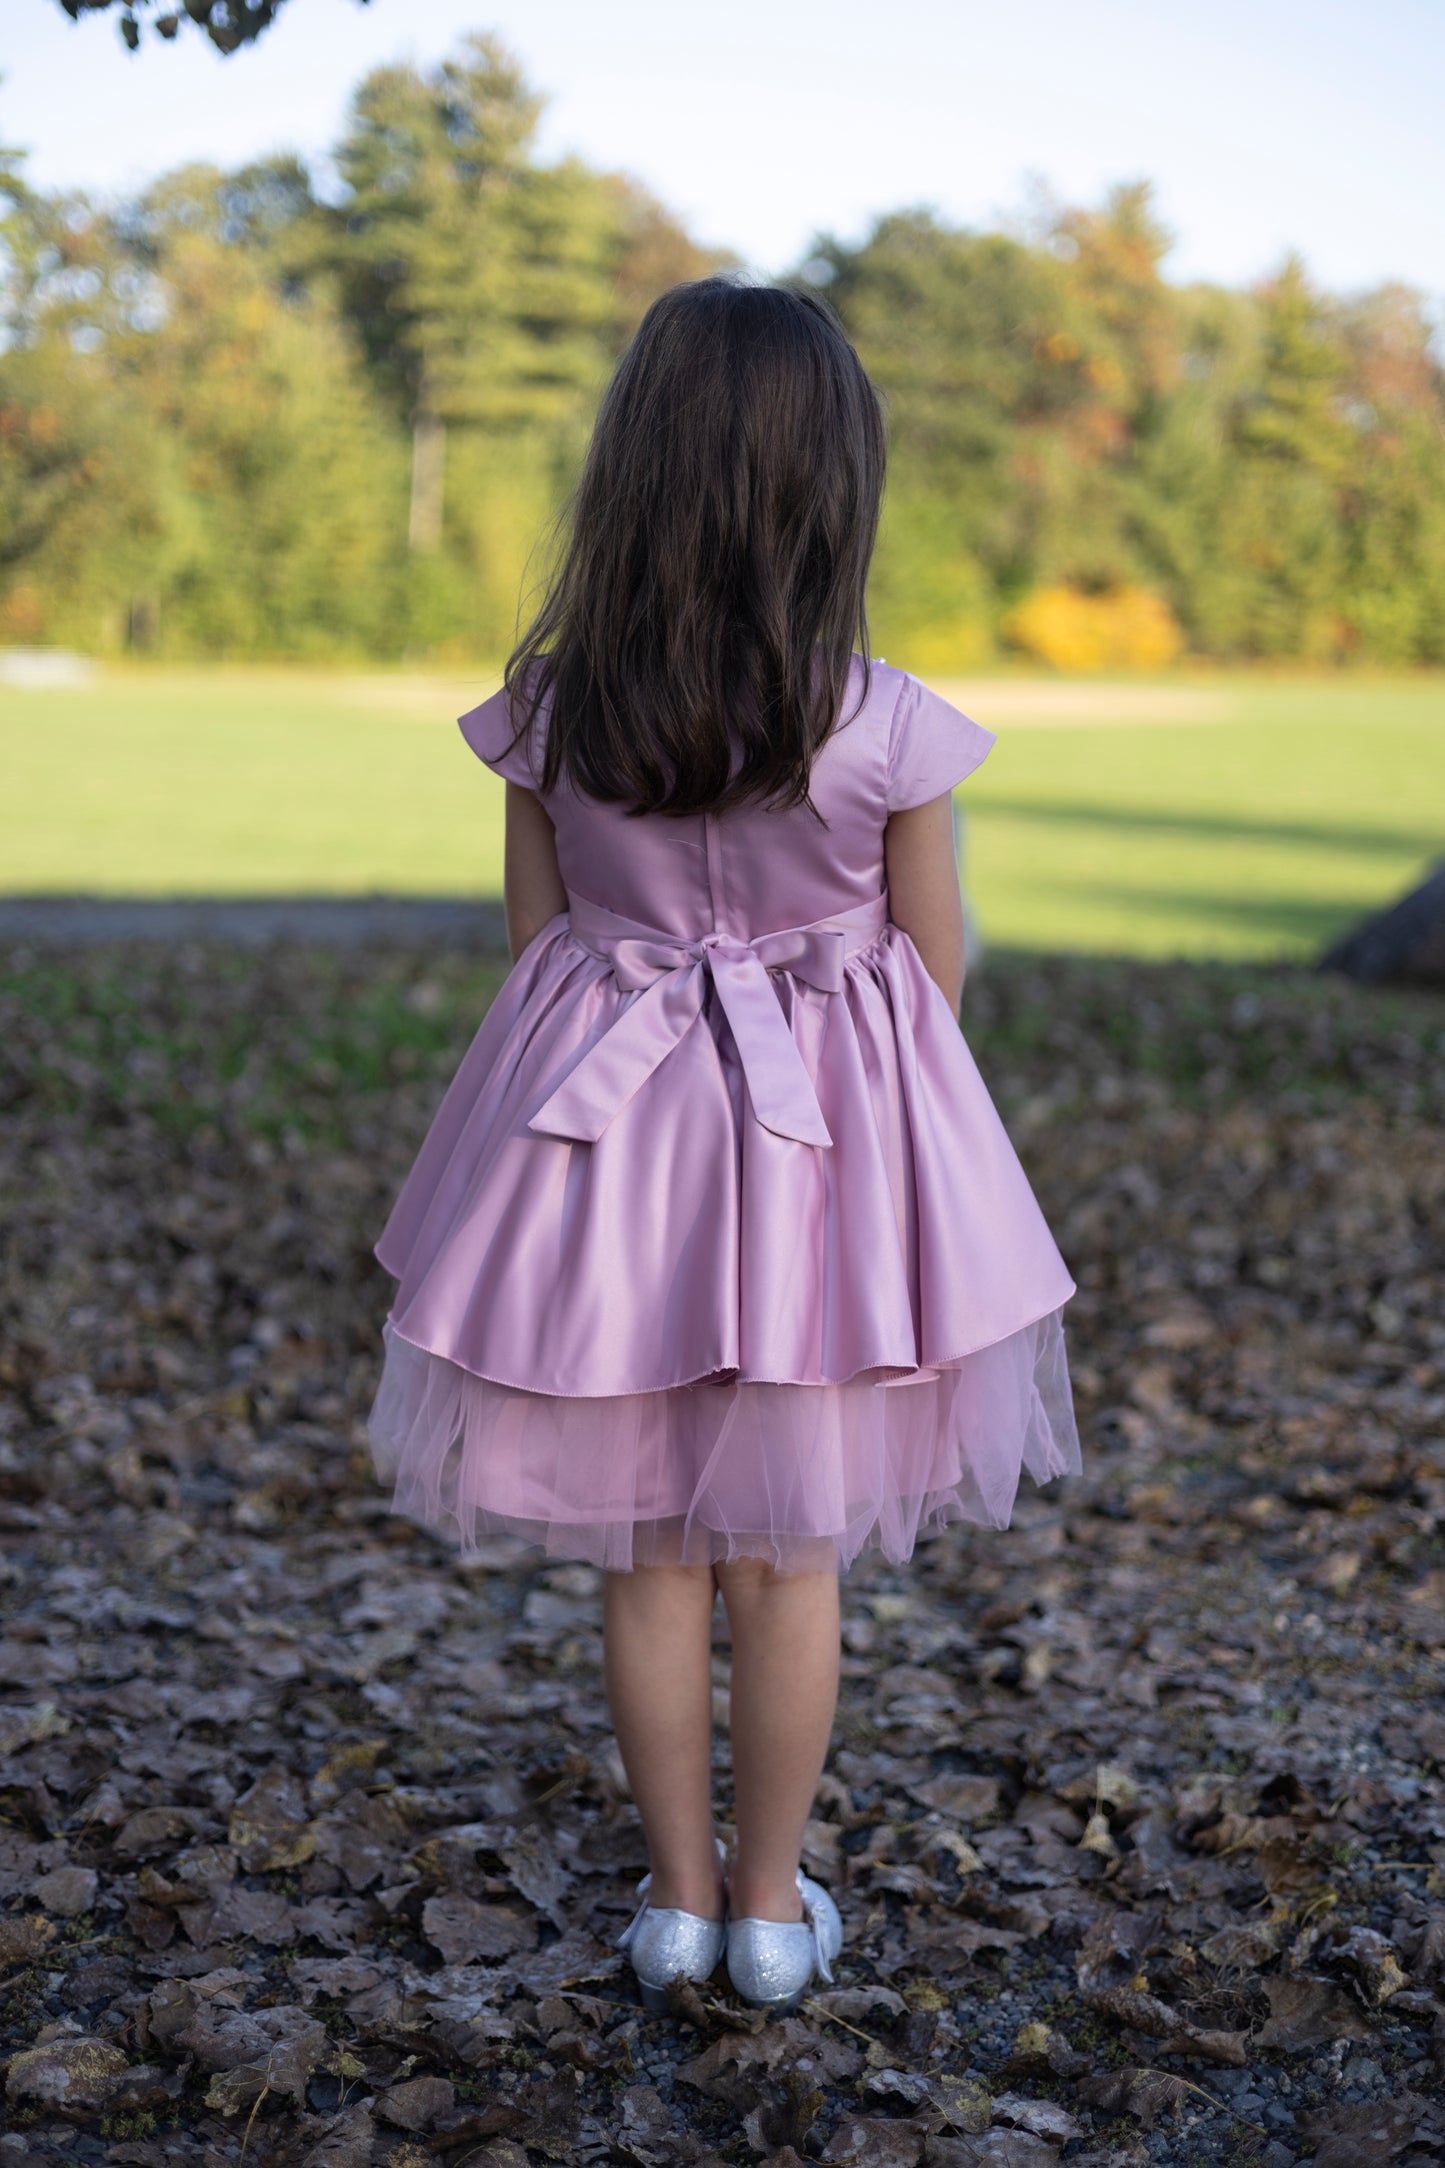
column 711, row 587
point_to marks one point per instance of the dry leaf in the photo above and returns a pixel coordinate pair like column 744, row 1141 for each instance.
column 214, row 1620
column 1143, row 2093
column 1304, row 2012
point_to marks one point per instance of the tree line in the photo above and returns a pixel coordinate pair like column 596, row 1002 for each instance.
column 238, row 417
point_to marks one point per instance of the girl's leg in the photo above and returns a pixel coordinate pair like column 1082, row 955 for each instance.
column 785, row 1629
column 657, row 1641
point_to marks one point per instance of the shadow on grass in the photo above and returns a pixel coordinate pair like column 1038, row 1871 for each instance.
column 1296, row 921
column 1213, row 827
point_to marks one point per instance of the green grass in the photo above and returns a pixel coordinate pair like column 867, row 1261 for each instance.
column 1297, row 805
column 1262, row 833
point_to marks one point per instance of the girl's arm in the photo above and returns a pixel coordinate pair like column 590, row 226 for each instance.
column 923, row 890
column 533, row 882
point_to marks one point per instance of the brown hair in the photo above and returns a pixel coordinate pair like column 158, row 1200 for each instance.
column 711, row 588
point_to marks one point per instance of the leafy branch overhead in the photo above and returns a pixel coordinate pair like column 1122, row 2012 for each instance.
column 229, row 24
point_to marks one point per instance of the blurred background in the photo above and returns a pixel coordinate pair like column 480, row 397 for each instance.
column 302, row 340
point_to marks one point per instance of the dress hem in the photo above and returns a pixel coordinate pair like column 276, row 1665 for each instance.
column 898, row 1373
column 805, row 1477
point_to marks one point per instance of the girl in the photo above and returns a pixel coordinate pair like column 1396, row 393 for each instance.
column 716, row 1266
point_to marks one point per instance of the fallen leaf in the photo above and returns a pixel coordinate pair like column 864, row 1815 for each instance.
column 67, row 1892
column 1143, row 2093
column 155, row 1830
column 874, row 2141
column 21, row 1940
column 346, row 2141
column 1371, row 2134
column 416, row 2104
column 463, row 1930
column 270, row 1825
column 1041, row 2118
column 1037, row 2049
column 966, row 1799
column 1305, row 2012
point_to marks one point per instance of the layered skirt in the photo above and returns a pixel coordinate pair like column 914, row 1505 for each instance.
column 718, row 1249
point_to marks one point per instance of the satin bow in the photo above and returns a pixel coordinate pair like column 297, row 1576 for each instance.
column 669, row 976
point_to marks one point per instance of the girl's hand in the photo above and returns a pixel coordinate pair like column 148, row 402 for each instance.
column 923, row 891
column 532, row 881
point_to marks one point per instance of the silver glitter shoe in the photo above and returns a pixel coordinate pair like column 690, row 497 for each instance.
column 771, row 1962
column 663, row 1941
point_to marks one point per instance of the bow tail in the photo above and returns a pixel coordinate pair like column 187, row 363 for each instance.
column 619, row 1063
column 778, row 1081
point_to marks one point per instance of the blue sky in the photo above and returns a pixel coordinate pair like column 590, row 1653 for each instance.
column 1264, row 124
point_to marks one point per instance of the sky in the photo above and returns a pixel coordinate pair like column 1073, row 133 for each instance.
column 1264, row 125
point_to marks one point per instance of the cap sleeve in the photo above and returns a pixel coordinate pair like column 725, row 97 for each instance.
column 932, row 746
column 488, row 730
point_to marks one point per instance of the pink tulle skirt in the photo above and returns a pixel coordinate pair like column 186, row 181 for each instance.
column 807, row 1477
column 694, row 1337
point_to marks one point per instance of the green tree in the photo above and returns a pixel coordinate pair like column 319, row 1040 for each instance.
column 281, row 475
column 1291, row 443
column 75, row 480
column 186, row 451
column 237, row 418
column 490, row 295
column 1003, row 408
column 1392, row 502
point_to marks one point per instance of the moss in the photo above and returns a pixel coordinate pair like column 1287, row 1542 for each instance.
column 139, row 2123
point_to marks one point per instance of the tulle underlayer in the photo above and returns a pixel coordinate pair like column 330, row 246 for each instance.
column 807, row 1477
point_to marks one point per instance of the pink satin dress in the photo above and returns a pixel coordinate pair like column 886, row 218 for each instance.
column 716, row 1244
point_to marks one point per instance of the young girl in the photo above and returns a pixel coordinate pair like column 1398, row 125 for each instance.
column 716, row 1267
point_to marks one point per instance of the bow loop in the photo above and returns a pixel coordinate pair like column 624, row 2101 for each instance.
column 667, row 974
column 636, row 963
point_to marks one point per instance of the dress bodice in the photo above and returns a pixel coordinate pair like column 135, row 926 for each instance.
column 756, row 869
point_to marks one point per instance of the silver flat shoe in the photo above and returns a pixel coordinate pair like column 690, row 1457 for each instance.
column 664, row 1941
column 771, row 1962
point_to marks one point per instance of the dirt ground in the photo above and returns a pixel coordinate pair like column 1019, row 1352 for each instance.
column 314, row 1844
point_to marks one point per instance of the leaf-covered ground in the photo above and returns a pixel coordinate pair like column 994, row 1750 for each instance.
column 313, row 1841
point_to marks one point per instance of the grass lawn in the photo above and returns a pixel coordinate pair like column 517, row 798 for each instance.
column 1227, row 816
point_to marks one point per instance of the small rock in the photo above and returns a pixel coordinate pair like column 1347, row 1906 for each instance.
column 72, row 2076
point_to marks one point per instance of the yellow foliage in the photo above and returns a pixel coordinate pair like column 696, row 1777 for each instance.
column 22, row 613
column 1126, row 628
